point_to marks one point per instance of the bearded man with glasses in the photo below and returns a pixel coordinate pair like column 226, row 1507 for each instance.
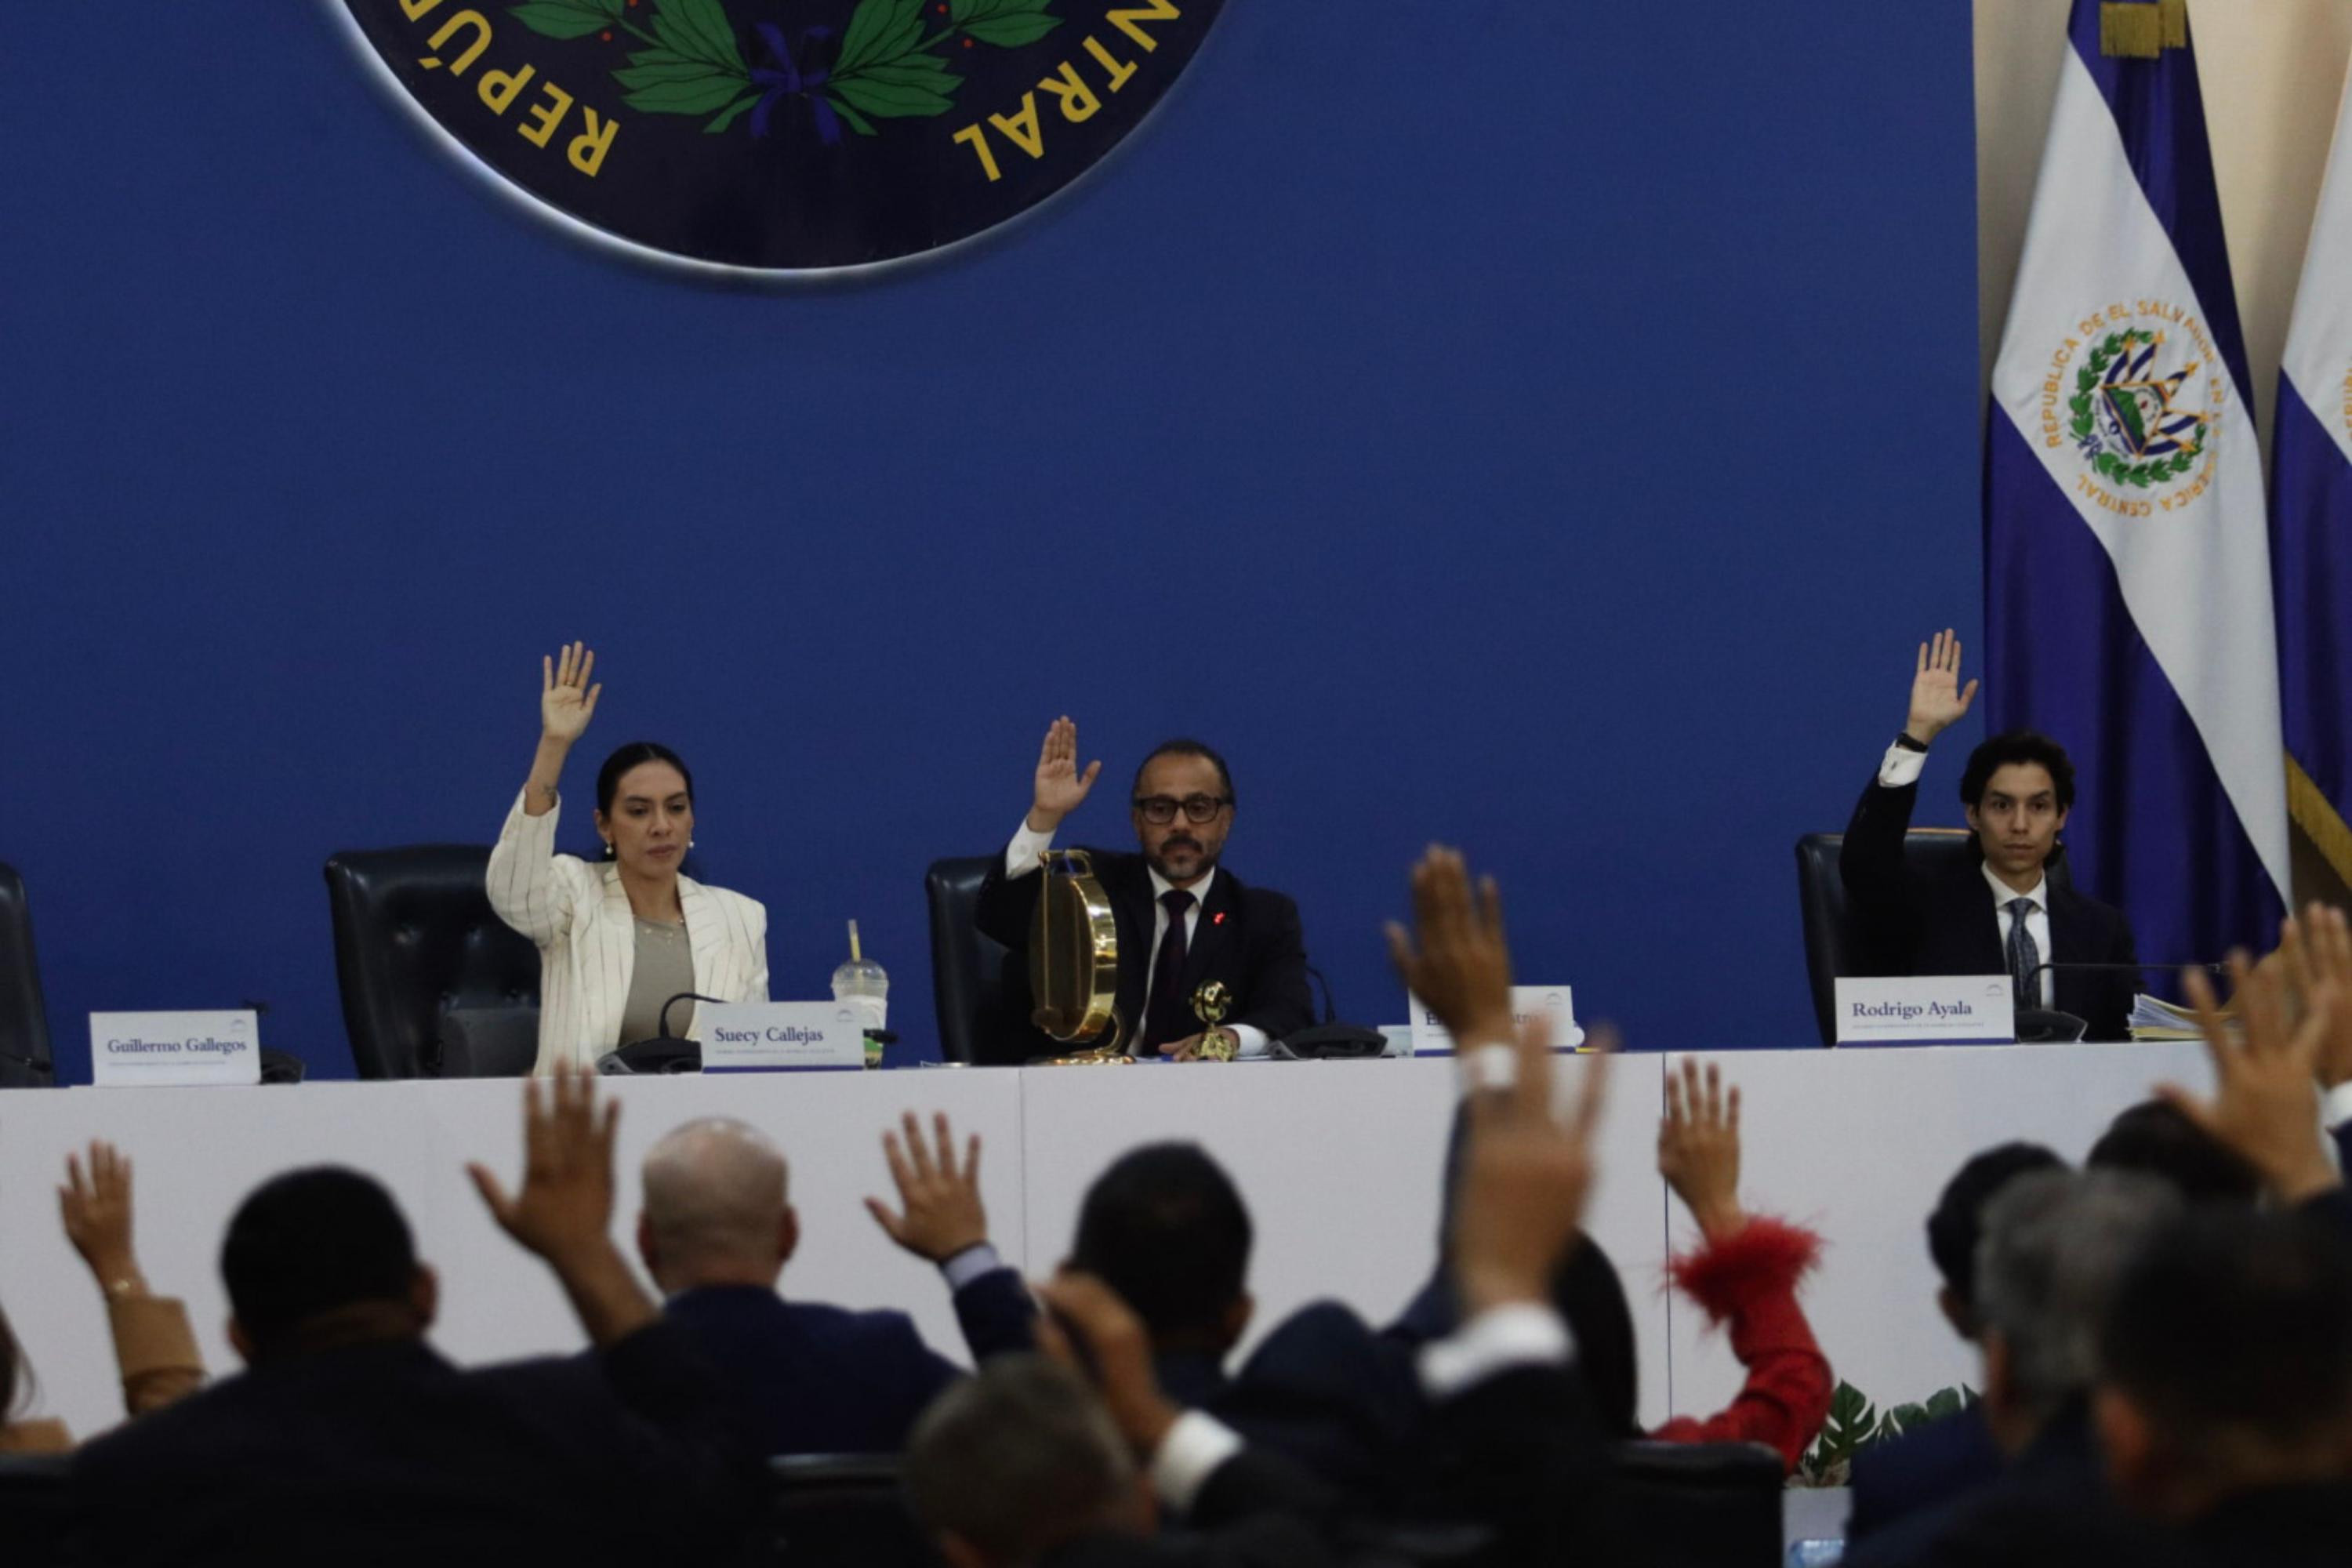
column 1183, row 920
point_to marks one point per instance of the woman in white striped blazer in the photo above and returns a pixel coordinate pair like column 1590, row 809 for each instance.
column 620, row 937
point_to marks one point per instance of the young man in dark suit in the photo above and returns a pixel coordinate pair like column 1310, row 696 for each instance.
column 348, row 1439
column 1183, row 919
column 2005, row 913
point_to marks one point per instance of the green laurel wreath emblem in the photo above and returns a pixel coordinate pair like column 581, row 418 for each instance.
column 2084, row 425
column 693, row 62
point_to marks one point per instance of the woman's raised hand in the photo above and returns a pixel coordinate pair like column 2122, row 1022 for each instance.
column 566, row 700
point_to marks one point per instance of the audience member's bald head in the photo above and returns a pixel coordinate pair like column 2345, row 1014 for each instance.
column 716, row 1211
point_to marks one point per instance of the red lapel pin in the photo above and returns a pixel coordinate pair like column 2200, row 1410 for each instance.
column 1218, row 919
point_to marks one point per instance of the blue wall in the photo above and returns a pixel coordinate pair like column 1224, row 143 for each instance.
column 1543, row 427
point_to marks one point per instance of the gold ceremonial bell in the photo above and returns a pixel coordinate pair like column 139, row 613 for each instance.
column 1073, row 963
column 1211, row 1003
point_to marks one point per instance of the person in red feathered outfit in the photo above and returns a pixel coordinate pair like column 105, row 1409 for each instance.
column 1745, row 1274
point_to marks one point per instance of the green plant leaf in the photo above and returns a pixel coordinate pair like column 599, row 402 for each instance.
column 857, row 122
column 567, row 18
column 714, row 91
column 890, row 100
column 880, row 31
column 1012, row 32
column 655, row 75
column 961, row 13
column 706, row 22
column 729, row 115
column 1942, row 1403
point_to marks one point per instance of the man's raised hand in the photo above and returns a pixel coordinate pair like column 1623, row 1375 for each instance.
column 1527, row 1175
column 1455, row 959
column 1060, row 787
column 565, row 1206
column 96, row 1207
column 1938, row 700
column 2318, row 951
column 566, row 700
column 2266, row 1103
column 943, row 1214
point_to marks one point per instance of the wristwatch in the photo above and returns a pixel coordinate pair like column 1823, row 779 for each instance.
column 1908, row 745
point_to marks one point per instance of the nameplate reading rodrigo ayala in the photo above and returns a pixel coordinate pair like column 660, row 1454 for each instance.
column 796, row 137
column 173, row 1049
column 780, row 1037
column 1927, row 1009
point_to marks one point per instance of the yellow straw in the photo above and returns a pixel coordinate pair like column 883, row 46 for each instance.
column 854, row 956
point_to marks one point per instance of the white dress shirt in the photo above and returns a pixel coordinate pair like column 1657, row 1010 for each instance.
column 1902, row 766
column 1026, row 853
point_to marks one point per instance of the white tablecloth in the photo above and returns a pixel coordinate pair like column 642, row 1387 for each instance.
column 1339, row 1161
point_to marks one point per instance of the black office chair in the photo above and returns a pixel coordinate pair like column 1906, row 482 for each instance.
column 845, row 1508
column 1835, row 943
column 967, row 988
column 1712, row 1503
column 414, row 939
column 25, row 1061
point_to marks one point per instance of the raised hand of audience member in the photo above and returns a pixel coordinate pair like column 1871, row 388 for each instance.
column 1060, row 788
column 1698, row 1149
column 1527, row 1174
column 1088, row 1328
column 2318, row 951
column 1938, row 700
column 1456, row 958
column 943, row 1215
column 95, row 1205
column 563, row 1212
column 2266, row 1103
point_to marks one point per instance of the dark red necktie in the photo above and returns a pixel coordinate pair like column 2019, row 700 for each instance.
column 1166, row 1017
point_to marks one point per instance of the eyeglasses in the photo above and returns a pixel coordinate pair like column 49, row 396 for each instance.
column 1162, row 809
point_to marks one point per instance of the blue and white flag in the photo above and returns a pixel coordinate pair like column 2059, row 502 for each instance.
column 2127, row 581
column 2311, row 521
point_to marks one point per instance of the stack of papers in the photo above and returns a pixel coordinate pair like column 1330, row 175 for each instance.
column 2154, row 1018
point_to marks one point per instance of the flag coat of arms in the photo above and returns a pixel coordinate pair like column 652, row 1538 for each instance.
column 2127, row 582
column 2311, row 468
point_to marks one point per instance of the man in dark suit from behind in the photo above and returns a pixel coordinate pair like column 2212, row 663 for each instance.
column 1183, row 919
column 716, row 1231
column 1931, row 1465
column 2057, row 1244
column 348, row 1439
column 2005, row 913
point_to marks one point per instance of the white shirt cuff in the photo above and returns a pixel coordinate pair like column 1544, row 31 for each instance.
column 1495, row 1341
column 1901, row 766
column 1027, row 850
column 970, row 1264
column 2335, row 1108
column 1250, row 1039
column 1189, row 1455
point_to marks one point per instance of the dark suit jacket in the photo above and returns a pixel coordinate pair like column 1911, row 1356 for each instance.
column 1247, row 937
column 1949, row 925
column 1923, row 1469
column 1510, row 1475
column 2061, row 1466
column 387, row 1454
column 813, row 1378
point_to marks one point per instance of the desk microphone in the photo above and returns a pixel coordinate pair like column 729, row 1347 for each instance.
column 664, row 1052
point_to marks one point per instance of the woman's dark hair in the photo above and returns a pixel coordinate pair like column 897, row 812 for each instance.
column 2018, row 746
column 15, row 1377
column 608, row 777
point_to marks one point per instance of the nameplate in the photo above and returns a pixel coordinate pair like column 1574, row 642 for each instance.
column 173, row 1049
column 780, row 1037
column 1429, row 1038
column 1923, row 1009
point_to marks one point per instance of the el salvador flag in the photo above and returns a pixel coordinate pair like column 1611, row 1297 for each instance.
column 2126, row 556
column 2311, row 539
